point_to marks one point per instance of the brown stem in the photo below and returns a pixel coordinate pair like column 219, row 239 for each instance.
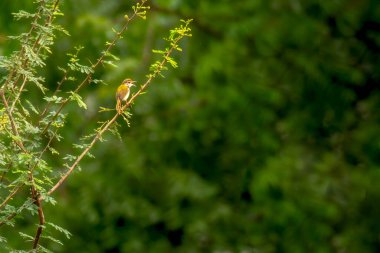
column 41, row 216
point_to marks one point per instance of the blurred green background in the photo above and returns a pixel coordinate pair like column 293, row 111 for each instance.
column 265, row 139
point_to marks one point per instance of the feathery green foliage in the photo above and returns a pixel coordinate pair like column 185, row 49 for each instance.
column 28, row 175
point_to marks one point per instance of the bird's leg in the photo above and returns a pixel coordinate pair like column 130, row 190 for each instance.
column 118, row 106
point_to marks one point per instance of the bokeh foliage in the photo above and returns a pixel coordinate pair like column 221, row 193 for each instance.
column 265, row 139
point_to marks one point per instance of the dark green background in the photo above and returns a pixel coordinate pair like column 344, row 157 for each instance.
column 265, row 139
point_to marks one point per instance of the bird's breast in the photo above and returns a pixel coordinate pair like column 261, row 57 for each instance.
column 126, row 95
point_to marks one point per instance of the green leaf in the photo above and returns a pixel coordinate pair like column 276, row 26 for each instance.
column 60, row 229
column 109, row 54
column 2, row 239
column 105, row 109
column 58, row 13
column 23, row 14
column 158, row 51
column 69, row 157
column 52, row 239
column 49, row 199
column 75, row 97
column 25, row 236
column 172, row 62
column 111, row 64
column 53, row 151
column 25, row 158
column 54, row 99
column 32, row 107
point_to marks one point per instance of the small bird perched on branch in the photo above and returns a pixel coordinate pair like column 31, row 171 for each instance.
column 122, row 93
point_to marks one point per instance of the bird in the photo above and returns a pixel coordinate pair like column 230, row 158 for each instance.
column 122, row 93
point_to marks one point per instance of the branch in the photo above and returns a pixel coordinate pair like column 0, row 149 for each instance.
column 80, row 157
column 174, row 45
column 36, row 195
column 40, row 227
column 93, row 67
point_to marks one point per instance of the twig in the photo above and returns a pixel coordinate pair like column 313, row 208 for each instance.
column 43, row 151
column 18, row 94
column 10, row 196
column 64, row 78
column 13, row 125
column 80, row 157
column 2, row 177
column 11, row 216
column 3, row 174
